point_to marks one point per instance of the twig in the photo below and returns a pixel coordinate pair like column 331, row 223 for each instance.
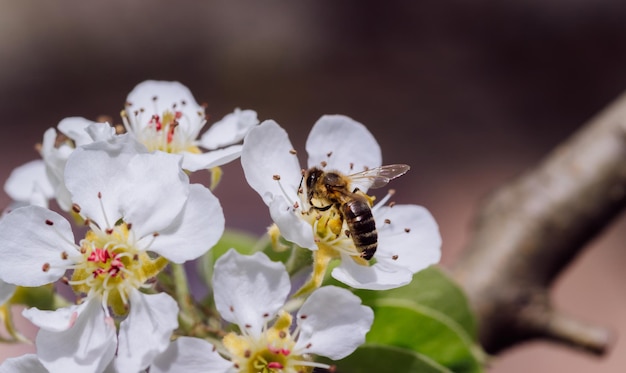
column 527, row 232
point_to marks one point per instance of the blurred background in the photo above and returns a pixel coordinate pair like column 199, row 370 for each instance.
column 470, row 94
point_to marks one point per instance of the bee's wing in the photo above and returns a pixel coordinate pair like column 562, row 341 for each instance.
column 377, row 177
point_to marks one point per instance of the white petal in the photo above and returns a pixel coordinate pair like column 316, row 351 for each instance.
column 29, row 183
column 147, row 189
column 146, row 331
column 100, row 167
column 55, row 155
column 156, row 191
column 167, row 93
column 249, row 289
column 6, row 291
column 58, row 320
column 123, row 145
column 28, row 241
column 13, row 205
column 347, row 141
column 55, row 158
column 412, row 235
column 21, row 364
column 266, row 154
column 198, row 228
column 376, row 277
column 87, row 346
column 194, row 162
column 76, row 129
column 409, row 243
column 333, row 323
column 291, row 226
column 230, row 130
column 188, row 354
column 101, row 132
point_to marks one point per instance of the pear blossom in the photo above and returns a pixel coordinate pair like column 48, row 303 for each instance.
column 408, row 236
column 165, row 116
column 250, row 291
column 38, row 181
column 141, row 212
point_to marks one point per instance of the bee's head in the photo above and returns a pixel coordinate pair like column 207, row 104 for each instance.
column 312, row 176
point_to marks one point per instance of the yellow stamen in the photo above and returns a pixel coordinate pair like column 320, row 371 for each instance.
column 216, row 176
column 321, row 259
column 7, row 320
column 274, row 233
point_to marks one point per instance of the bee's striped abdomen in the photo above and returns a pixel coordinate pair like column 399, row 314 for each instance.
column 362, row 226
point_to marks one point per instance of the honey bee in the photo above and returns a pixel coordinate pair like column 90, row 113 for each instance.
column 334, row 189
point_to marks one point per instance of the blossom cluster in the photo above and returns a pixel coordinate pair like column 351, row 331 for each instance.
column 109, row 212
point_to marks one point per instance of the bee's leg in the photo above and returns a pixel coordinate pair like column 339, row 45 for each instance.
column 325, row 208
column 300, row 185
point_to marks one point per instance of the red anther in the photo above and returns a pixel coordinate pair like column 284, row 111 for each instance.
column 157, row 122
column 99, row 255
column 275, row 365
column 279, row 351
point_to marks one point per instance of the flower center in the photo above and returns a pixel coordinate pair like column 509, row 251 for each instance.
column 268, row 361
column 159, row 134
column 332, row 231
column 272, row 352
column 330, row 227
column 112, row 266
column 107, row 263
column 163, row 131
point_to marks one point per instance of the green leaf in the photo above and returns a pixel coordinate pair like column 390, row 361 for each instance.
column 243, row 242
column 431, row 316
column 375, row 358
column 427, row 331
column 432, row 288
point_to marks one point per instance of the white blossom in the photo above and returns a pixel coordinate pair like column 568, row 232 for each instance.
column 408, row 236
column 165, row 116
column 141, row 212
column 38, row 181
column 250, row 291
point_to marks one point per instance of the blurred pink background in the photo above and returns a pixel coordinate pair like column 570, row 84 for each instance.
column 470, row 95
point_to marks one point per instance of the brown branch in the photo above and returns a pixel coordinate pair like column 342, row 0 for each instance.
column 527, row 231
